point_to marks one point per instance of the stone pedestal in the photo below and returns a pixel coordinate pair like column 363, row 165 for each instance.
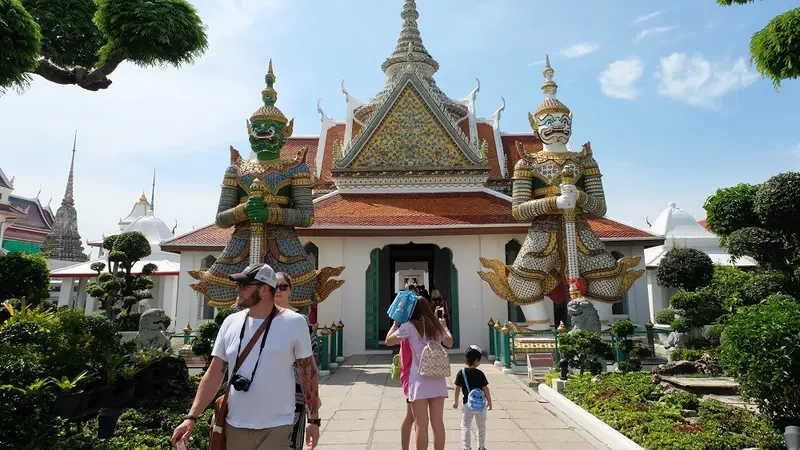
column 559, row 385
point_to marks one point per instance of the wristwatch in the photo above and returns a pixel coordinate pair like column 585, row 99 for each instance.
column 190, row 417
column 317, row 422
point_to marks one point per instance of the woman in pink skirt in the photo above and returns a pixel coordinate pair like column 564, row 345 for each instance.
column 426, row 394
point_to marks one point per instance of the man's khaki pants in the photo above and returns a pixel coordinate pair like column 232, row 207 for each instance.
column 265, row 439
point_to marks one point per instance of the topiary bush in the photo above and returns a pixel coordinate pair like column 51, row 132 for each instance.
column 685, row 268
column 761, row 350
column 697, row 309
column 665, row 316
column 585, row 350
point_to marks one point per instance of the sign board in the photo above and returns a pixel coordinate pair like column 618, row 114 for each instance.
column 541, row 361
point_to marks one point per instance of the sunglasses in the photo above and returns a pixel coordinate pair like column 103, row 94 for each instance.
column 283, row 287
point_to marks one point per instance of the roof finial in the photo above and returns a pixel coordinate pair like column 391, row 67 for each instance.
column 549, row 87
column 269, row 95
column 153, row 194
column 68, row 195
column 409, row 41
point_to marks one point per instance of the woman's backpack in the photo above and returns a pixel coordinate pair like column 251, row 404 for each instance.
column 476, row 401
column 434, row 361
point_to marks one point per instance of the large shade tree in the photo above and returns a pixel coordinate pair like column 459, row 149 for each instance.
column 81, row 42
column 775, row 50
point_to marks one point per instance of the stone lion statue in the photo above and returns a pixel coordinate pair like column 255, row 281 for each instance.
column 151, row 330
column 583, row 315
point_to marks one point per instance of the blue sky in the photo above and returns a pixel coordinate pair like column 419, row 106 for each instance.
column 666, row 96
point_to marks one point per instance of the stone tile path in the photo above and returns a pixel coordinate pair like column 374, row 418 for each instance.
column 363, row 408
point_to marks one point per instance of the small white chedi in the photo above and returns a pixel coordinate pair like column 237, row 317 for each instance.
column 545, row 198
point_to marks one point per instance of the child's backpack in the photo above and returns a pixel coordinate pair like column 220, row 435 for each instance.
column 476, row 401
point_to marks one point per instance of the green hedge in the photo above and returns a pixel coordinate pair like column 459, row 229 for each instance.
column 637, row 408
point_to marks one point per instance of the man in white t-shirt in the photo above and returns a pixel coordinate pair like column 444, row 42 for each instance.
column 261, row 403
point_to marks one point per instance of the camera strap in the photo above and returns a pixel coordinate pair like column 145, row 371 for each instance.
column 264, row 328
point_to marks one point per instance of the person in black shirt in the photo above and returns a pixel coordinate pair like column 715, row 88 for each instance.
column 475, row 379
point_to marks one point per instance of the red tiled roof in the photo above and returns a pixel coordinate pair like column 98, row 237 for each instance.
column 25, row 234
column 428, row 213
column 11, row 211
column 510, row 148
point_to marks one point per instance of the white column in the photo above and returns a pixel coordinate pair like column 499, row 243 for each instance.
column 169, row 295
column 65, row 296
column 80, row 300
column 185, row 296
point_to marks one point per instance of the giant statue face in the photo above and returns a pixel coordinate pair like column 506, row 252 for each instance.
column 554, row 127
column 266, row 136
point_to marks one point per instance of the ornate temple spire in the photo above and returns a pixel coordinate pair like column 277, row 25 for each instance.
column 153, row 193
column 64, row 243
column 549, row 89
column 409, row 46
column 68, row 199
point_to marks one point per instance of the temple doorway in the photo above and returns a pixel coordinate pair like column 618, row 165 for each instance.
column 394, row 265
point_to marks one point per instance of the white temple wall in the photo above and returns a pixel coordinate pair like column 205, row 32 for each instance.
column 185, row 308
column 477, row 302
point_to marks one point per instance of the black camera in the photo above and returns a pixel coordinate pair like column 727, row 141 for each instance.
column 240, row 383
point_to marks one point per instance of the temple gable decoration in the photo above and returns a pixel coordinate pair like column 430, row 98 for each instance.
column 411, row 130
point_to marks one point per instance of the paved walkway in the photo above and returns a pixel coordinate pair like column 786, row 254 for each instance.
column 363, row 408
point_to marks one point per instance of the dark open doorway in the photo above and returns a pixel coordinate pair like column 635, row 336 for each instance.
column 383, row 284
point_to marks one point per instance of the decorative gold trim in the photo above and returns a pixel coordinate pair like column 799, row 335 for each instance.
column 538, row 322
column 236, row 259
column 591, row 171
column 240, row 213
column 273, row 249
column 229, row 182
column 546, row 191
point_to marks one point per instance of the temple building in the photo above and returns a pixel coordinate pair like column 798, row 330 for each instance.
column 680, row 229
column 412, row 184
column 140, row 209
column 63, row 243
column 9, row 212
column 165, row 279
column 24, row 222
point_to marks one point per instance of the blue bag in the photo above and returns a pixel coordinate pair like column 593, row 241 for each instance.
column 402, row 306
column 476, row 401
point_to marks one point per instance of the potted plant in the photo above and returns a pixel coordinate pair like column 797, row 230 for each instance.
column 71, row 398
column 144, row 360
column 104, row 396
column 125, row 390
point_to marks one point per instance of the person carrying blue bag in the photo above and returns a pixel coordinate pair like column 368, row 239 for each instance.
column 471, row 382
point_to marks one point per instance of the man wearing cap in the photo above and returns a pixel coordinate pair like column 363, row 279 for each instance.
column 261, row 402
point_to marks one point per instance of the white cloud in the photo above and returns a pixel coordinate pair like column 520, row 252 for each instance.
column 697, row 81
column 620, row 77
column 653, row 31
column 581, row 49
column 536, row 63
column 646, row 17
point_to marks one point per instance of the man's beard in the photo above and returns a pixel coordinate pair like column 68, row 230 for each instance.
column 248, row 302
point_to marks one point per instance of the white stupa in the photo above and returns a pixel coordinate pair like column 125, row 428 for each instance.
column 143, row 220
column 680, row 229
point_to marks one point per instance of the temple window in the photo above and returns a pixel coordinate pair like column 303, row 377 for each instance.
column 513, row 248
column 313, row 254
column 206, row 312
column 621, row 308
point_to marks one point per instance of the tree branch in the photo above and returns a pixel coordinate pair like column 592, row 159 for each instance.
column 90, row 80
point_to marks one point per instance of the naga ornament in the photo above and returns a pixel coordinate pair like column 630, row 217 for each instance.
column 264, row 199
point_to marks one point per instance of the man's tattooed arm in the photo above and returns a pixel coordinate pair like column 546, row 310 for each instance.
column 209, row 386
column 309, row 383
